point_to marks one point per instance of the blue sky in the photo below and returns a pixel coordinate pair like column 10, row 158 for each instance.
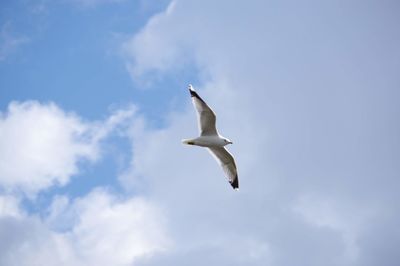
column 69, row 50
column 93, row 105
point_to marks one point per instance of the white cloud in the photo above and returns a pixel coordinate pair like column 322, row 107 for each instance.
column 144, row 47
column 115, row 231
column 41, row 145
column 290, row 89
column 347, row 220
column 9, row 206
column 104, row 229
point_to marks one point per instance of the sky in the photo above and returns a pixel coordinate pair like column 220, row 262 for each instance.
column 94, row 104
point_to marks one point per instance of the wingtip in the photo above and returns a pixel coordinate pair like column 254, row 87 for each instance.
column 193, row 93
column 235, row 184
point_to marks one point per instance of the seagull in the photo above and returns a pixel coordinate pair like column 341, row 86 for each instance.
column 210, row 139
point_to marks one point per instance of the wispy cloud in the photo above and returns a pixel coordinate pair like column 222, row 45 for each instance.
column 143, row 48
column 9, row 41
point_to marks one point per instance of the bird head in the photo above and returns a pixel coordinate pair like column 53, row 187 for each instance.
column 227, row 141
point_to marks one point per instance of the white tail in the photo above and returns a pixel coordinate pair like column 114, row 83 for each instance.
column 188, row 141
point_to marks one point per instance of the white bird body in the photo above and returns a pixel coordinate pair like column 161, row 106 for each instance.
column 207, row 141
column 210, row 138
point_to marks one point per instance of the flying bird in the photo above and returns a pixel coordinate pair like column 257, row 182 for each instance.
column 210, row 139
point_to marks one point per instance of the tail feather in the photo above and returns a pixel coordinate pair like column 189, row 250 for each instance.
column 188, row 141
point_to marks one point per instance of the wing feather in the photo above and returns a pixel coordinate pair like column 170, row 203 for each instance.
column 227, row 162
column 205, row 115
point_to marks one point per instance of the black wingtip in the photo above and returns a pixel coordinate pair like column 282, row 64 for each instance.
column 193, row 93
column 235, row 184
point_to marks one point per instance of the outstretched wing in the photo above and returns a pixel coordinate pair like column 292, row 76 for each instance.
column 205, row 116
column 226, row 160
